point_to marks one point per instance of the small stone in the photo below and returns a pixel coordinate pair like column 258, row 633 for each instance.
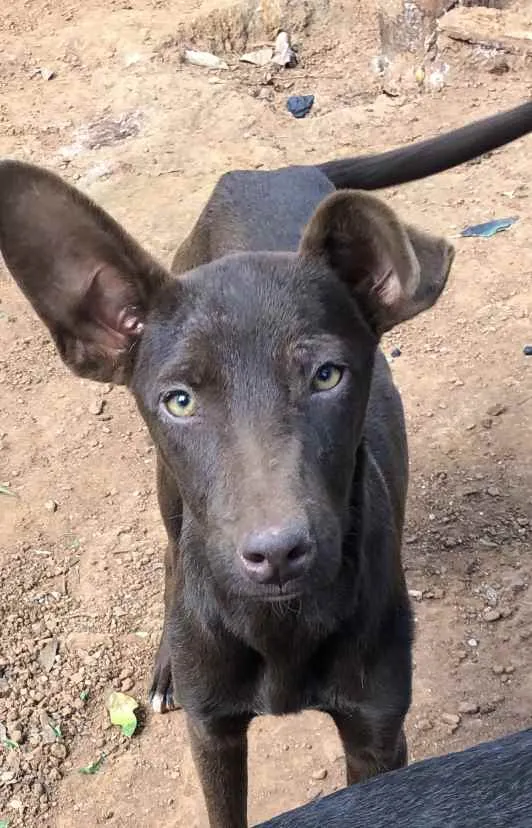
column 496, row 410
column 472, row 642
column 493, row 491
column 97, row 407
column 51, row 506
column 127, row 684
column 527, row 350
column 425, row 725
column 468, row 708
column 416, row 594
column 452, row 719
column 486, row 422
column 396, row 352
column 461, row 654
column 498, row 669
column 15, row 736
column 492, row 615
column 59, row 750
column 509, row 670
column 320, row 774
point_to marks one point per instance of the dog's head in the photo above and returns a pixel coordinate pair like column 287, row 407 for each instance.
column 252, row 372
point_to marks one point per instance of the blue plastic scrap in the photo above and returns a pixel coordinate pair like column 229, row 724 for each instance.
column 300, row 105
column 489, row 228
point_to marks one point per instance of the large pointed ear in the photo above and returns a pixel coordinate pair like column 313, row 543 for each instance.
column 90, row 283
column 393, row 270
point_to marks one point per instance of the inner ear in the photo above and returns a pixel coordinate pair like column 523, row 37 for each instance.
column 393, row 270
column 87, row 279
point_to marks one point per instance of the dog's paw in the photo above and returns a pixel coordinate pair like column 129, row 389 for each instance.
column 161, row 695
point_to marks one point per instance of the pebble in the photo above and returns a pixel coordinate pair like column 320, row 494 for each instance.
column 425, row 725
column 97, row 407
column 51, row 506
column 468, row 708
column 461, row 654
column 491, row 615
column 127, row 684
column 320, row 774
column 452, row 719
column 59, row 750
column 527, row 350
column 472, row 642
column 15, row 736
column 498, row 669
column 416, row 594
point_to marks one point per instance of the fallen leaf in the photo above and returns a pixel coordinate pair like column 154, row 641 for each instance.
column 121, row 709
column 48, row 654
column 94, row 767
column 5, row 490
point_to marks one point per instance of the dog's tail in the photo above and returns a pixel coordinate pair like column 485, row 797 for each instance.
column 419, row 160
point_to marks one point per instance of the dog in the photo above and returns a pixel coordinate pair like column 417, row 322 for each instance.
column 486, row 786
column 281, row 448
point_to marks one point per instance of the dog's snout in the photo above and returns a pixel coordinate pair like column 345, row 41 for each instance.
column 277, row 554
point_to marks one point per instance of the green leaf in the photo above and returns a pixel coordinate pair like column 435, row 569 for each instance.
column 84, row 695
column 121, row 707
column 94, row 767
column 4, row 823
column 5, row 490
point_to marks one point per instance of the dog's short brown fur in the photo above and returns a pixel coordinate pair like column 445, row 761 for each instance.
column 282, row 458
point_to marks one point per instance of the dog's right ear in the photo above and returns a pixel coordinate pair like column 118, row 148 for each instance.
column 88, row 280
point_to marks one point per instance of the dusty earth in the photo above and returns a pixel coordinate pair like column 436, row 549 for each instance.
column 81, row 540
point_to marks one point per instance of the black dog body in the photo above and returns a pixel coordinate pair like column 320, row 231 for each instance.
column 282, row 457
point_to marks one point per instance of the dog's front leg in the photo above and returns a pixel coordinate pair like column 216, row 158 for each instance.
column 372, row 745
column 219, row 749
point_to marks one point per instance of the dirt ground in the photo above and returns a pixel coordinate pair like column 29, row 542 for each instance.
column 81, row 540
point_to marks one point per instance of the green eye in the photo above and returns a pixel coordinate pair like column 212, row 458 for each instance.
column 180, row 403
column 326, row 377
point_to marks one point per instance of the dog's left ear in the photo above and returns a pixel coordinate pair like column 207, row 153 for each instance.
column 393, row 270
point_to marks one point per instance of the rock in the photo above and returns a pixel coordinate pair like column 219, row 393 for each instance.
column 16, row 736
column 472, row 642
column 416, row 594
column 127, row 684
column 284, row 55
column 260, row 57
column 425, row 725
column 492, row 615
column 468, row 708
column 452, row 719
column 204, row 59
column 461, row 654
column 498, row 669
column 496, row 410
column 97, row 407
column 59, row 750
column 320, row 774
column 51, row 506
column 48, row 654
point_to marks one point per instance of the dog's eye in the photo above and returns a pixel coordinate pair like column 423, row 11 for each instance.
column 326, row 377
column 180, row 403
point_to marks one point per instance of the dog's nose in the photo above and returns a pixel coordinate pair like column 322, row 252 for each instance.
column 277, row 554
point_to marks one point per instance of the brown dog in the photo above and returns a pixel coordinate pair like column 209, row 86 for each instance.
column 282, row 457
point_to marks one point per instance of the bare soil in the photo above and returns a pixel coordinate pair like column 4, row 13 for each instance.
column 81, row 540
